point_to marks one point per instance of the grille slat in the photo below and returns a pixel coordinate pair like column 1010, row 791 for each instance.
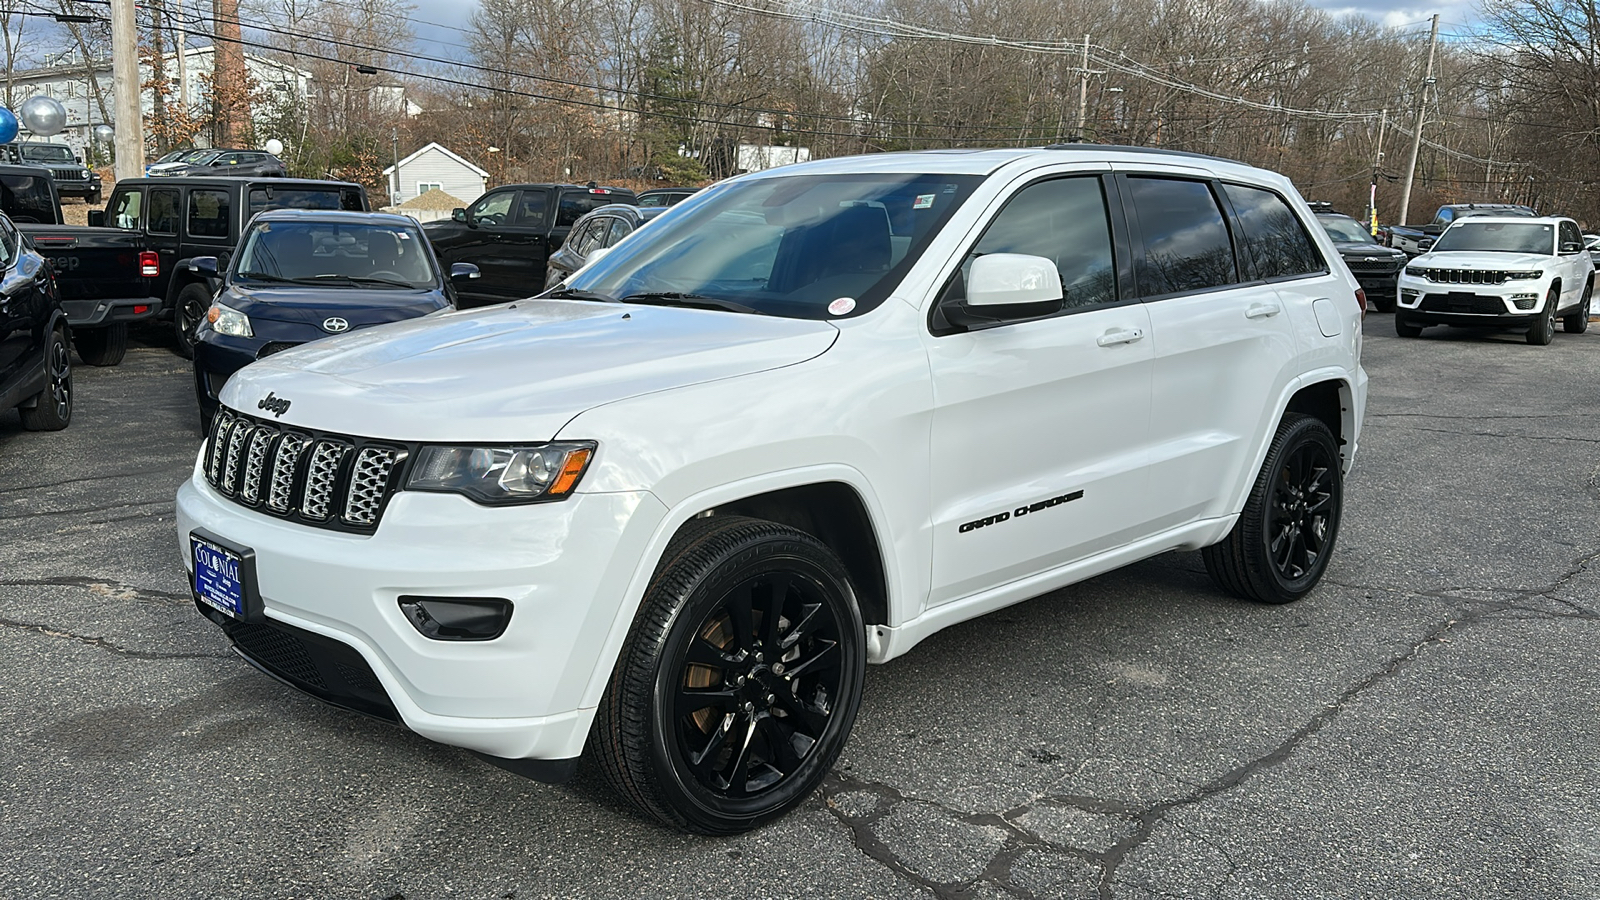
column 328, row 480
column 1465, row 276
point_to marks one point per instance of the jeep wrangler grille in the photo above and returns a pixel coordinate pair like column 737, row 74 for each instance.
column 313, row 477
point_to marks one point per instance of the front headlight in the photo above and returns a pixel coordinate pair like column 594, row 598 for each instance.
column 1416, row 271
column 227, row 320
column 498, row 476
column 1519, row 276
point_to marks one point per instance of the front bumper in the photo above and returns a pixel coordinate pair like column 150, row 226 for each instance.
column 564, row 566
column 1513, row 304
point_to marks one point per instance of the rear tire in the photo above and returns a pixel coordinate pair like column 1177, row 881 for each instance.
column 1543, row 329
column 52, row 410
column 1279, row 547
column 193, row 301
column 739, row 681
column 1578, row 322
column 102, row 346
column 1404, row 327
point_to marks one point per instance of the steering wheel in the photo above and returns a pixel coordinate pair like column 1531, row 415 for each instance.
column 381, row 272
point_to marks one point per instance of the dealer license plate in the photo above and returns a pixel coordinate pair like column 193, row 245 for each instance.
column 218, row 576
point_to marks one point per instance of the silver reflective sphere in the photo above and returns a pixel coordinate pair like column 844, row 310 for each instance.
column 104, row 134
column 44, row 116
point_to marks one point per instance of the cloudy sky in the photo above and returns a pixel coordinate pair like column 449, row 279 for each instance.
column 1451, row 12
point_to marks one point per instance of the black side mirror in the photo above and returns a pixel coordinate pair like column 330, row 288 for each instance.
column 204, row 265
column 1424, row 245
column 97, row 218
column 458, row 214
column 464, row 272
column 1432, row 229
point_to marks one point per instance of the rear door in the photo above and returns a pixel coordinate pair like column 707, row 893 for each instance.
column 163, row 216
column 208, row 224
column 1224, row 347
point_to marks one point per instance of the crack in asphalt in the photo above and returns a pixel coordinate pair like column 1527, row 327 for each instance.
column 89, row 509
column 103, row 644
column 113, row 589
column 18, row 489
column 1144, row 820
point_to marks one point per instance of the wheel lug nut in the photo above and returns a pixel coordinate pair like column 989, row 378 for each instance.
column 739, row 680
column 777, row 668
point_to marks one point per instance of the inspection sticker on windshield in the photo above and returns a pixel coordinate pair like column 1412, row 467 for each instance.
column 924, row 201
column 842, row 306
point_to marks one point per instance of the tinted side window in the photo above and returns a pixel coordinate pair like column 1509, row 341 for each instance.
column 493, row 209
column 163, row 211
column 352, row 200
column 1063, row 220
column 1186, row 245
column 590, row 235
column 125, row 210
column 532, row 210
column 1278, row 243
column 574, row 205
column 620, row 228
column 1569, row 233
column 208, row 213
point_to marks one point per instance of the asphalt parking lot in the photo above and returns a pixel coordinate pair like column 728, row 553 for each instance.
column 1423, row 725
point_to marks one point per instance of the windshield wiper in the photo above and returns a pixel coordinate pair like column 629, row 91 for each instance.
column 676, row 298
column 263, row 276
column 350, row 279
column 570, row 294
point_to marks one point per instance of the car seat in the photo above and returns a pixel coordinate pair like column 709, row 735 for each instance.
column 854, row 241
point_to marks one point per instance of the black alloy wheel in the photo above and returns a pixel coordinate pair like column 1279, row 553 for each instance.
column 740, row 682
column 1543, row 329
column 193, row 302
column 52, row 410
column 1280, row 546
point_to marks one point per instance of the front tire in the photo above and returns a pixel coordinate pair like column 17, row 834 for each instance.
column 193, row 301
column 52, row 410
column 1543, row 329
column 1578, row 322
column 102, row 346
column 1405, row 327
column 1279, row 547
column 739, row 681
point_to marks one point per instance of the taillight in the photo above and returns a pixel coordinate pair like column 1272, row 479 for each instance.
column 149, row 264
column 1361, row 301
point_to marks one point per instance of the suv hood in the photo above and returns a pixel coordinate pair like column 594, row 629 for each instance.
column 513, row 373
column 310, row 305
column 1480, row 259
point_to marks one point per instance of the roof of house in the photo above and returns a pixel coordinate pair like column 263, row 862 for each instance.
column 435, row 145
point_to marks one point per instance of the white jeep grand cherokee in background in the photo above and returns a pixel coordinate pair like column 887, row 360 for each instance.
column 1500, row 272
column 670, row 510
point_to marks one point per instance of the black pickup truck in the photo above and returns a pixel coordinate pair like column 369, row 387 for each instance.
column 510, row 232
column 132, row 261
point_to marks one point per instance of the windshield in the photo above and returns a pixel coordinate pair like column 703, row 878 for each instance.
column 788, row 245
column 46, row 153
column 343, row 254
column 1498, row 237
column 1346, row 231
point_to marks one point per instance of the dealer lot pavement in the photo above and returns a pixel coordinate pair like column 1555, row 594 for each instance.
column 1423, row 725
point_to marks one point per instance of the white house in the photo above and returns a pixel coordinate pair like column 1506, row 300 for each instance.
column 435, row 167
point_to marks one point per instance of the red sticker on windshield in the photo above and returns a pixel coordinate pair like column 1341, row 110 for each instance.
column 842, row 306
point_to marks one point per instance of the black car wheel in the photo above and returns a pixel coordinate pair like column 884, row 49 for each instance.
column 740, row 680
column 102, row 346
column 1543, row 329
column 193, row 301
column 52, row 409
column 1405, row 327
column 1279, row 547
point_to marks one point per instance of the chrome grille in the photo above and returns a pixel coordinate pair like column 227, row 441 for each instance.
column 255, row 463
column 320, row 476
column 367, row 481
column 1465, row 276
column 329, row 480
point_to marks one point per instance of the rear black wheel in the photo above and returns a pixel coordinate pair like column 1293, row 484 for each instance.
column 1578, row 322
column 193, row 301
column 740, row 681
column 52, row 408
column 102, row 346
column 1279, row 547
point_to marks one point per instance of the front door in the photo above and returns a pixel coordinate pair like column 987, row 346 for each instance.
column 1040, row 426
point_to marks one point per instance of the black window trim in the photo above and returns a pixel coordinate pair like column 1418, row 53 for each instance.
column 1121, row 261
column 1242, row 247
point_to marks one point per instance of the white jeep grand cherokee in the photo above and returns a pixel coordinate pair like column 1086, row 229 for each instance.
column 1500, row 272
column 670, row 510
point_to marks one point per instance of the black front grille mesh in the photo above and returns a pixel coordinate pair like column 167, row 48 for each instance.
column 317, row 478
column 1471, row 303
column 322, row 667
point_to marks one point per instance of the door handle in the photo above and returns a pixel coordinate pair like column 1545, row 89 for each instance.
column 1119, row 336
column 1263, row 311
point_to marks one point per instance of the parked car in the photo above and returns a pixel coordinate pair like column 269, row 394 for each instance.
column 664, row 197
column 598, row 230
column 72, row 177
column 131, row 262
column 300, row 276
column 1500, row 272
column 35, row 363
column 28, row 195
column 510, row 232
column 1377, row 267
column 1414, row 241
column 670, row 511
column 1591, row 243
column 174, row 161
column 233, row 163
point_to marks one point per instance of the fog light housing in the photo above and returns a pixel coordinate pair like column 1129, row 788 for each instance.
column 1524, row 301
column 457, row 618
column 1409, row 296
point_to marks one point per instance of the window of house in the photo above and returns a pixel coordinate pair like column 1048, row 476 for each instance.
column 425, row 186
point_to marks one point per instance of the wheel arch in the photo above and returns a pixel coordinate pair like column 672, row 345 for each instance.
column 182, row 277
column 1325, row 394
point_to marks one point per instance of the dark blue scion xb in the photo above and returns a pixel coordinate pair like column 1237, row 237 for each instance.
column 301, row 275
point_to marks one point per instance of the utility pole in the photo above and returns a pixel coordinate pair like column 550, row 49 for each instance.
column 125, row 90
column 1377, row 168
column 1083, row 91
column 1422, row 109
